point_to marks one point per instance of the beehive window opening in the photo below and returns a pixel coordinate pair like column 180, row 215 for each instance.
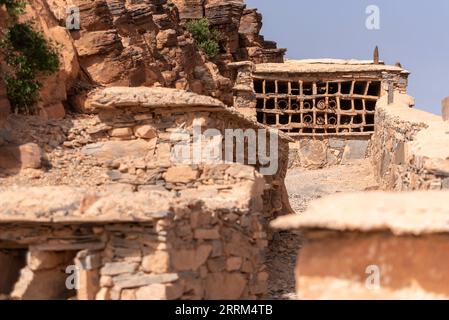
column 317, row 107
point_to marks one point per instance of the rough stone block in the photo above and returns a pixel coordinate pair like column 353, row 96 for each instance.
column 355, row 150
column 225, row 286
column 121, row 133
column 160, row 292
column 140, row 279
column 42, row 260
column 145, row 132
column 234, row 263
column 157, row 262
column 88, row 284
column 115, row 268
column 337, row 143
column 112, row 150
column 208, row 234
column 312, row 153
column 190, row 259
column 26, row 156
column 181, row 174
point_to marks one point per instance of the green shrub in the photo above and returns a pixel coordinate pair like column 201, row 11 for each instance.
column 29, row 55
column 14, row 7
column 28, row 48
column 206, row 38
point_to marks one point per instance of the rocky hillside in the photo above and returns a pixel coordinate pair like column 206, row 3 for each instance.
column 140, row 43
column 239, row 29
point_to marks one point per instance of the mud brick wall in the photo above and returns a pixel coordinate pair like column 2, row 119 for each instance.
column 409, row 147
column 339, row 261
column 372, row 245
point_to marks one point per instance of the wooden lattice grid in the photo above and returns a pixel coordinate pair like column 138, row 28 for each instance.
column 344, row 107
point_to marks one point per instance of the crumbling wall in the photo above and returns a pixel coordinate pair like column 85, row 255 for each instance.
column 139, row 245
column 409, row 147
column 132, row 138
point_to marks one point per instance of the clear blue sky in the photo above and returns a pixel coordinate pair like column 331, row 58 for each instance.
column 416, row 33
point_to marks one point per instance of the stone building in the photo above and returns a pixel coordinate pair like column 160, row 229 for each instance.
column 110, row 195
column 326, row 105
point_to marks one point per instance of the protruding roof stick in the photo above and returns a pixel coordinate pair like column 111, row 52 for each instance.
column 390, row 92
column 376, row 55
column 445, row 109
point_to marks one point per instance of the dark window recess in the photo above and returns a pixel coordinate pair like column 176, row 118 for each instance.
column 259, row 104
column 345, row 120
column 260, row 117
column 370, row 105
column 282, row 87
column 345, row 105
column 333, row 88
column 321, row 88
column 270, row 104
column 295, row 88
column 271, row 119
column 307, row 89
column 270, row 87
column 11, row 262
column 374, row 88
column 358, row 104
column 296, row 118
column 358, row 119
column 284, row 119
column 359, row 87
column 258, row 86
column 369, row 118
column 346, row 87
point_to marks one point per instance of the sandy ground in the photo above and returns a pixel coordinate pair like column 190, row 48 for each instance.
column 304, row 186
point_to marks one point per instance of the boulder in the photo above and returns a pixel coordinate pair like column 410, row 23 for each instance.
column 25, row 156
column 112, row 150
